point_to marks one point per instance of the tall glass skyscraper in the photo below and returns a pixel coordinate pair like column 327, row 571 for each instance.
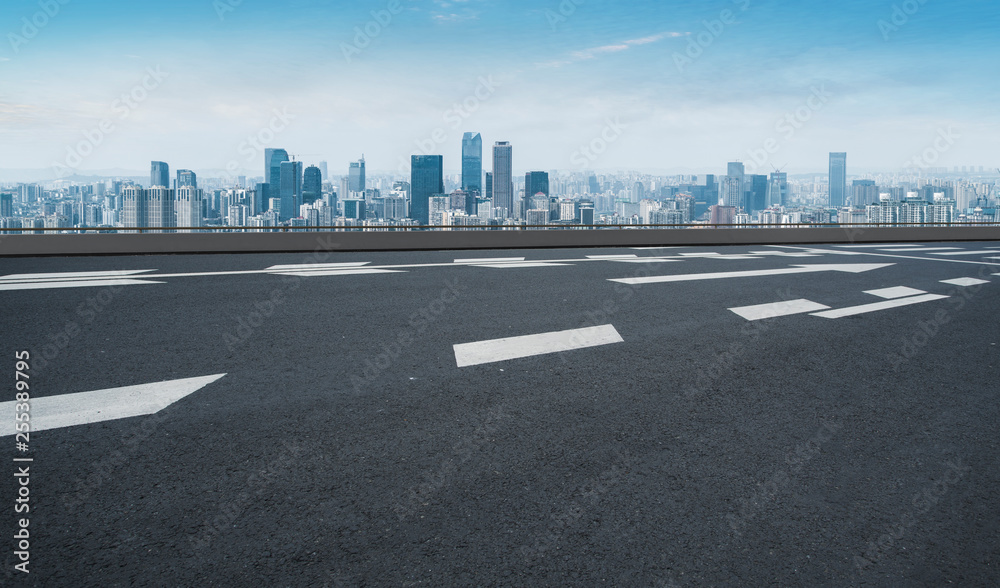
column 273, row 158
column 159, row 174
column 426, row 180
column 777, row 189
column 312, row 184
column 733, row 186
column 291, row 189
column 356, row 176
column 838, row 179
column 472, row 162
column 503, row 179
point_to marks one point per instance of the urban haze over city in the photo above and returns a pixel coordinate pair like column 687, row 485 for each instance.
column 237, row 113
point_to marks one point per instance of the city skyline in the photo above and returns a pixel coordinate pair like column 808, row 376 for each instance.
column 653, row 86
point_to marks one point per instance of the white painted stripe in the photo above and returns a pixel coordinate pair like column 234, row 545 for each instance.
column 965, row 253
column 719, row 255
column 881, row 245
column 488, row 259
column 783, row 254
column 67, row 410
column 965, row 282
column 646, row 260
column 775, row 309
column 877, row 306
column 650, row 248
column 75, row 284
column 897, row 292
column 67, row 276
column 625, row 256
column 522, row 264
column 338, row 272
column 481, row 352
column 910, row 249
column 799, row 269
column 309, row 266
column 993, row 257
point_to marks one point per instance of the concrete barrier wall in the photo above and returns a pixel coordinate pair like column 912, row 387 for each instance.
column 140, row 244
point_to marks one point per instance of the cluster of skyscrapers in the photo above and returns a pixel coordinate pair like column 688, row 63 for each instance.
column 291, row 194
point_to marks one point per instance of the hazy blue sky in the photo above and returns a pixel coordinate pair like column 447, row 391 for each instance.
column 561, row 70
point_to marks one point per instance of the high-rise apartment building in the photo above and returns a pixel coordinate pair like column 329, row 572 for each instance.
column 426, row 181
column 472, row 162
column 503, row 179
column 189, row 206
column 838, row 179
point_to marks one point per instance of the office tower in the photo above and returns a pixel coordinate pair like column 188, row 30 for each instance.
column 838, row 179
column 160, row 207
column 534, row 183
column 312, row 185
column 426, row 181
column 472, row 162
column 503, row 179
column 6, row 205
column 324, row 171
column 356, row 176
column 159, row 174
column 186, row 178
column 758, row 194
column 488, row 187
column 189, row 205
column 273, row 158
column 291, row 189
column 777, row 189
column 732, row 190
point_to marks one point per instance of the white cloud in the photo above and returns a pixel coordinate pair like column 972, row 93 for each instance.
column 594, row 52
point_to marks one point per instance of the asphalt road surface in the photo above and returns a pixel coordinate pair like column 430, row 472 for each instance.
column 729, row 416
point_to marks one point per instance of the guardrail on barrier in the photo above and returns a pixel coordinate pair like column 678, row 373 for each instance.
column 299, row 239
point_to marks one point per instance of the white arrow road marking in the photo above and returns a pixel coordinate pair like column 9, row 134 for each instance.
column 776, row 309
column 81, row 408
column 965, row 282
column 480, row 352
column 74, row 284
column 854, row 268
column 876, row 306
column 897, row 292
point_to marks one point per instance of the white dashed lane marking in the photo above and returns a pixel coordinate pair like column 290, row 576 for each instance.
column 480, row 352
